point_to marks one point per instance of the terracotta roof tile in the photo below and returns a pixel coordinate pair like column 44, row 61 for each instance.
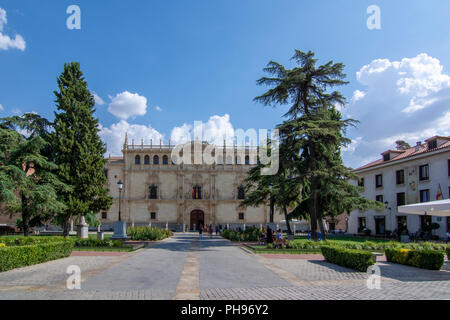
column 408, row 153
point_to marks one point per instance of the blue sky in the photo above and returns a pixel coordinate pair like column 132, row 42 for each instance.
column 201, row 58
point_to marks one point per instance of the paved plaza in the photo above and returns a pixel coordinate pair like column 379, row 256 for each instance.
column 185, row 267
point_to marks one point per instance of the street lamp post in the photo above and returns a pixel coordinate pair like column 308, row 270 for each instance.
column 120, row 227
column 386, row 204
column 120, row 184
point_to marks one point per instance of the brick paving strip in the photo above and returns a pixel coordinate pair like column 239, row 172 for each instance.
column 188, row 287
column 98, row 253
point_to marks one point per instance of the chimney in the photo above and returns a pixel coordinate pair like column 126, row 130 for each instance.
column 418, row 145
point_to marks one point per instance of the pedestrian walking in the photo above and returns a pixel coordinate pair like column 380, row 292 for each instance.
column 200, row 232
column 210, row 231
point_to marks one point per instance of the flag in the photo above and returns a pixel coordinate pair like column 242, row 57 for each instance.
column 439, row 193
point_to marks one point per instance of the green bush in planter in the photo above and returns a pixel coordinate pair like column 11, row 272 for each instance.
column 354, row 259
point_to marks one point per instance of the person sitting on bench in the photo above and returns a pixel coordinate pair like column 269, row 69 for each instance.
column 279, row 241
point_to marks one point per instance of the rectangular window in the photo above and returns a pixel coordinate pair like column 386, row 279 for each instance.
column 424, row 195
column 424, row 172
column 241, row 216
column 361, row 223
column 432, row 144
column 379, row 180
column 425, row 221
column 380, row 225
column 361, row 182
column 402, row 224
column 387, row 157
column 153, row 215
column 379, row 198
column 400, row 199
column 104, row 215
column 400, row 176
column 448, row 165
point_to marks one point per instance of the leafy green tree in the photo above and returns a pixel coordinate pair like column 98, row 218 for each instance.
column 313, row 135
column 29, row 183
column 279, row 188
column 79, row 151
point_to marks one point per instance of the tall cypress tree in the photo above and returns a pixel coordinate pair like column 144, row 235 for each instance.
column 79, row 151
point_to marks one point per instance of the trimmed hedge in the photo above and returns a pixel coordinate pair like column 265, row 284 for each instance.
column 25, row 241
column 354, row 259
column 21, row 256
column 424, row 258
column 148, row 234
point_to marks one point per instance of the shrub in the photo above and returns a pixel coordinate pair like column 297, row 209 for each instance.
column 98, row 243
column 448, row 252
column 250, row 234
column 148, row 234
column 420, row 258
column 23, row 241
column 21, row 256
column 355, row 259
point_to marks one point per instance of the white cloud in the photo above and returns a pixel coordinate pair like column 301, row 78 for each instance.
column 98, row 100
column 357, row 95
column 114, row 135
column 215, row 130
column 158, row 108
column 1, row 107
column 407, row 99
column 125, row 105
column 3, row 19
column 6, row 41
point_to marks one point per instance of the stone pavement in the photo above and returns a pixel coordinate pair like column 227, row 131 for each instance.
column 187, row 268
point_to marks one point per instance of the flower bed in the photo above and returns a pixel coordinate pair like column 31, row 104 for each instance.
column 420, row 258
column 354, row 259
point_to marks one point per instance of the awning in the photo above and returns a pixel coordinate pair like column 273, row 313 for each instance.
column 439, row 208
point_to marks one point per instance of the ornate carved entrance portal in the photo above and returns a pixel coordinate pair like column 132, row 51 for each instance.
column 197, row 219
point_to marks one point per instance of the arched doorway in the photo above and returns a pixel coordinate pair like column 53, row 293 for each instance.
column 197, row 218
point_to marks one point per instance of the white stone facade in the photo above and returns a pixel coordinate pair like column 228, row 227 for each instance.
column 415, row 187
column 173, row 202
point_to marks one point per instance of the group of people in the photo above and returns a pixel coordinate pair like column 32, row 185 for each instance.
column 268, row 236
column 209, row 229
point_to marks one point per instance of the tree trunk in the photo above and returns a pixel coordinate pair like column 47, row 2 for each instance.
column 271, row 209
column 26, row 225
column 66, row 228
column 322, row 229
column 286, row 219
column 313, row 210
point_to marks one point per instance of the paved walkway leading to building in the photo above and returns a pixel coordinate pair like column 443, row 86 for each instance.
column 185, row 267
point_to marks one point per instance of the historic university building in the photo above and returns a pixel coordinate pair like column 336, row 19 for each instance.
column 158, row 191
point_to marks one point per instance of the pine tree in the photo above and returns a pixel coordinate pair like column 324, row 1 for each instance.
column 28, row 183
column 313, row 135
column 79, row 151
